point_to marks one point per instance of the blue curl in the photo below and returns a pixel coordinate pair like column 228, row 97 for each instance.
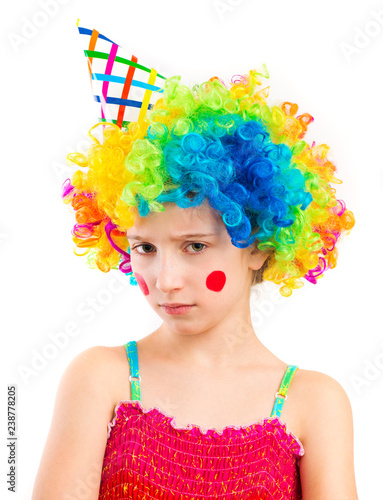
column 193, row 143
column 143, row 206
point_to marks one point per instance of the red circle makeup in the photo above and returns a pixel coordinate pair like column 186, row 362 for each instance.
column 142, row 284
column 216, row 281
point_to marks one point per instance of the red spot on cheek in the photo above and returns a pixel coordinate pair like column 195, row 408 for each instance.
column 142, row 284
column 216, row 281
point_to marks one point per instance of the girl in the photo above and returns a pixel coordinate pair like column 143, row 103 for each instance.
column 209, row 194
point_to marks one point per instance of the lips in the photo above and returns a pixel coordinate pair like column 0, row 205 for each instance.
column 177, row 310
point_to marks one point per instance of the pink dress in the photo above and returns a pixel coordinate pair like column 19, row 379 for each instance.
column 148, row 456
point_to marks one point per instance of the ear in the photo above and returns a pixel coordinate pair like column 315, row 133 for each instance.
column 257, row 257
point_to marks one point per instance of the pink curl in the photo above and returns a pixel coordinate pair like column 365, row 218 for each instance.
column 67, row 187
column 108, row 229
column 330, row 240
column 312, row 274
column 240, row 79
column 84, row 230
column 343, row 208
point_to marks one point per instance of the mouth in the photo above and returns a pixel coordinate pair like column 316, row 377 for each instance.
column 175, row 309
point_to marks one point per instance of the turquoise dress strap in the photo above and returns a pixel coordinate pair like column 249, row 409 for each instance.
column 281, row 395
column 134, row 377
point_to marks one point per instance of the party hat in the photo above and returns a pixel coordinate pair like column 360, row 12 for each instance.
column 124, row 88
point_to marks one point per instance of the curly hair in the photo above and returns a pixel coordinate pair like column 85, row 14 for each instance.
column 225, row 144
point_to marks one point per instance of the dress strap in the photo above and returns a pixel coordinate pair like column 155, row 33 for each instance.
column 131, row 351
column 281, row 395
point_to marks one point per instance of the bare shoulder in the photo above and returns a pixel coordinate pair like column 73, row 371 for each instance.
column 109, row 365
column 105, row 371
column 116, row 371
column 98, row 363
column 327, row 435
column 89, row 375
column 320, row 398
column 89, row 368
column 315, row 385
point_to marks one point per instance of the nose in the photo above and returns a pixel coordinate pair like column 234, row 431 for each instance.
column 169, row 273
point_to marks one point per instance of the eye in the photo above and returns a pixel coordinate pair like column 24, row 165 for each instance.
column 143, row 245
column 198, row 244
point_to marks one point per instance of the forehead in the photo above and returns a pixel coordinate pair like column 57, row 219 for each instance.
column 176, row 220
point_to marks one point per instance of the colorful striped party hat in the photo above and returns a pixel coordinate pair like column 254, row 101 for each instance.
column 125, row 88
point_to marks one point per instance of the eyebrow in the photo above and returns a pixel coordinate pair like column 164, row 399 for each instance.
column 173, row 238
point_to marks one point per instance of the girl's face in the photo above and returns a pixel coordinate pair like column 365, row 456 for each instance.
column 185, row 256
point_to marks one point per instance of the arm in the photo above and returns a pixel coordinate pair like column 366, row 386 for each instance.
column 327, row 468
column 71, row 462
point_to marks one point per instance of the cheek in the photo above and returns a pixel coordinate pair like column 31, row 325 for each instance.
column 216, row 281
column 142, row 284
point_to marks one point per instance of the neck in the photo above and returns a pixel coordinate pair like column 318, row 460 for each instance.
column 229, row 344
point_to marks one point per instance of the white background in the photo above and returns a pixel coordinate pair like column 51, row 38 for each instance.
column 326, row 56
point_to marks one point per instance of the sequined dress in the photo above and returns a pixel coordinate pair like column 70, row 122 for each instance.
column 148, row 457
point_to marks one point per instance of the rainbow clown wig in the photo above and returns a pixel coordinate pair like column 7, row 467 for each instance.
column 224, row 144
